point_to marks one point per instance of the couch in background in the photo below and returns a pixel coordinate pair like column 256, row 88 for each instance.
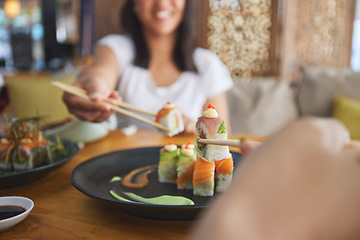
column 264, row 105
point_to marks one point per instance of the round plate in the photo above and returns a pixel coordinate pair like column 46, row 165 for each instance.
column 21, row 177
column 92, row 178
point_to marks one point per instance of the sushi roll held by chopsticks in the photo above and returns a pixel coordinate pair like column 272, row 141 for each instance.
column 170, row 116
column 211, row 126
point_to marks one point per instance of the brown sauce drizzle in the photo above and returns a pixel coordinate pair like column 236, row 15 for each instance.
column 141, row 180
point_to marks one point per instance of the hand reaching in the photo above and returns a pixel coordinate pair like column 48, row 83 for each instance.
column 99, row 91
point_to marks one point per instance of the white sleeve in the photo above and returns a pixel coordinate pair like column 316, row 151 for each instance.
column 215, row 75
column 121, row 45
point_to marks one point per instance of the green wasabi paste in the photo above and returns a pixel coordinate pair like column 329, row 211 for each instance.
column 160, row 200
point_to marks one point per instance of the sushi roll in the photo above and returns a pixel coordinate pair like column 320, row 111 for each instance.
column 5, row 154
column 168, row 163
column 185, row 166
column 223, row 174
column 203, row 178
column 24, row 155
column 43, row 155
column 33, row 151
column 171, row 117
column 211, row 126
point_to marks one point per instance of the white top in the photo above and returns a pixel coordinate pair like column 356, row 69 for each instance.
column 189, row 93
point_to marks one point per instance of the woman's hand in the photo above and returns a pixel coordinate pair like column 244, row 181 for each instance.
column 189, row 126
column 99, row 91
column 296, row 185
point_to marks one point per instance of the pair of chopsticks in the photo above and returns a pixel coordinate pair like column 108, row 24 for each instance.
column 119, row 107
column 224, row 142
column 353, row 151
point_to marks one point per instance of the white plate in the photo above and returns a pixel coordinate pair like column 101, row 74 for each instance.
column 26, row 203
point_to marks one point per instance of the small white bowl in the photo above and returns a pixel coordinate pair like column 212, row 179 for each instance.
column 83, row 132
column 26, row 203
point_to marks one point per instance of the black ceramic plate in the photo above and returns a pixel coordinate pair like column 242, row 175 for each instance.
column 21, row 177
column 92, row 178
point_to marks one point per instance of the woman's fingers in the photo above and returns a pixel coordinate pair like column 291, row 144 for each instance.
column 247, row 146
column 189, row 126
column 99, row 92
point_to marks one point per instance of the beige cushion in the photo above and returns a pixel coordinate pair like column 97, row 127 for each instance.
column 33, row 95
column 320, row 84
column 261, row 107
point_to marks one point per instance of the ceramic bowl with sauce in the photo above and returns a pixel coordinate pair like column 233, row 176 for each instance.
column 13, row 210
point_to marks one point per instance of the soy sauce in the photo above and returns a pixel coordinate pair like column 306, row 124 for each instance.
column 9, row 211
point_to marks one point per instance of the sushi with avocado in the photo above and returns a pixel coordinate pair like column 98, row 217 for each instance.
column 167, row 169
column 185, row 166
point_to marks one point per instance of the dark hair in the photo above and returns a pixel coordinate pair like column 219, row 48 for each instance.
column 185, row 43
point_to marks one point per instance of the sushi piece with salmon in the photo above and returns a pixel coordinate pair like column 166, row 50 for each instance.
column 211, row 126
column 171, row 117
column 167, row 169
column 223, row 174
column 203, row 178
column 185, row 166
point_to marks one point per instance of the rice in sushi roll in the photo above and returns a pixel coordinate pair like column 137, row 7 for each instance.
column 185, row 166
column 171, row 117
column 211, row 126
column 167, row 169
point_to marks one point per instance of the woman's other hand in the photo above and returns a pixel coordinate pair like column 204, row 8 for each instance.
column 296, row 185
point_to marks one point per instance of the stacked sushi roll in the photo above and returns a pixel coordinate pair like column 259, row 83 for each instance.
column 167, row 169
column 211, row 126
column 214, row 166
column 171, row 117
column 185, row 166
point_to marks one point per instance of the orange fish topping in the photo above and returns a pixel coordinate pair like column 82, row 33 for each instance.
column 210, row 106
column 187, row 146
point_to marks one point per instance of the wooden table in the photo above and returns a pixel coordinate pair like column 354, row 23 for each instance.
column 62, row 212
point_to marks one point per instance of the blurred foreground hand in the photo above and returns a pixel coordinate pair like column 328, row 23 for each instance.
column 296, row 185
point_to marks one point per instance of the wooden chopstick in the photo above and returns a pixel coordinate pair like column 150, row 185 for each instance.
column 118, row 103
column 225, row 142
column 353, row 151
column 74, row 90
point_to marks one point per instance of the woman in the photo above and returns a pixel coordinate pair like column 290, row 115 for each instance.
column 157, row 61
